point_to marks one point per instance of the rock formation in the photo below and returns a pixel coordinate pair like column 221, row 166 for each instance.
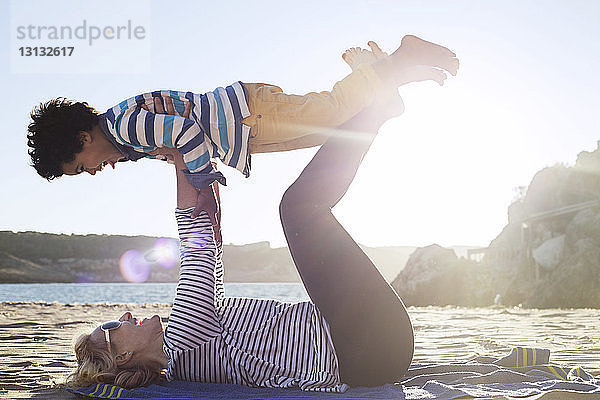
column 548, row 255
column 434, row 275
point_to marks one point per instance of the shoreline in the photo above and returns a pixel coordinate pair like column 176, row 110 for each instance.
column 36, row 338
column 159, row 304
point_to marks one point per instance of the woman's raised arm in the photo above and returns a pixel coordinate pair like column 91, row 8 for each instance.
column 193, row 319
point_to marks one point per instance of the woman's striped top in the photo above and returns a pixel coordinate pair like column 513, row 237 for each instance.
column 254, row 342
column 213, row 129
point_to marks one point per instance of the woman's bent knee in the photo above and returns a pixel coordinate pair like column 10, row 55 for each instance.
column 298, row 204
column 290, row 203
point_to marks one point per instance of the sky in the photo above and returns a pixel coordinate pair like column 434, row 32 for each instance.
column 526, row 97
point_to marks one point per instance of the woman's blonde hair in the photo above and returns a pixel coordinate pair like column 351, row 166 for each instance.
column 95, row 364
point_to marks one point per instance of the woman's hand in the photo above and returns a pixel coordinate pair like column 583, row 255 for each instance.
column 159, row 109
column 172, row 154
column 208, row 198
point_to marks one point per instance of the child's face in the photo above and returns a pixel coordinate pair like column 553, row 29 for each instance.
column 93, row 157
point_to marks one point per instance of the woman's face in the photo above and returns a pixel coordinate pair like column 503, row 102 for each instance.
column 142, row 338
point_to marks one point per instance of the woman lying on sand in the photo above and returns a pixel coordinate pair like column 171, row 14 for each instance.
column 355, row 331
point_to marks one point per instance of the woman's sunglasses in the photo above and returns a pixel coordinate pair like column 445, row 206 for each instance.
column 107, row 327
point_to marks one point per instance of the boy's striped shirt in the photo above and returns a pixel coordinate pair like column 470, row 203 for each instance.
column 254, row 342
column 214, row 129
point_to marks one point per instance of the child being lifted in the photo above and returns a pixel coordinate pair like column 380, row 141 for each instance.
column 230, row 123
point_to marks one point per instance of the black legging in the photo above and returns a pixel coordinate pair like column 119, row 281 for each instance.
column 371, row 330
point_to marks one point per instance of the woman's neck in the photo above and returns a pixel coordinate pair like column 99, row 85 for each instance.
column 159, row 357
column 156, row 354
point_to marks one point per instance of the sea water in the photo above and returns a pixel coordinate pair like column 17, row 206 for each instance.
column 137, row 293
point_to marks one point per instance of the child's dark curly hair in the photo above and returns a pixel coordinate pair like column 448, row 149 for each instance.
column 54, row 134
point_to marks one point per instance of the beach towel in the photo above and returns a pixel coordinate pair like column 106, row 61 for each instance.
column 524, row 372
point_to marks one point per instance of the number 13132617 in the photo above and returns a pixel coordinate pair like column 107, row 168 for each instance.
column 46, row 51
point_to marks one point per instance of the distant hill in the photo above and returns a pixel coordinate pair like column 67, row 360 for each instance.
column 46, row 257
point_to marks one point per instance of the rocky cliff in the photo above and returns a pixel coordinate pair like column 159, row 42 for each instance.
column 548, row 255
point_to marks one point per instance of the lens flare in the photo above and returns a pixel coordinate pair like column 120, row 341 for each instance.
column 134, row 268
column 199, row 241
column 166, row 252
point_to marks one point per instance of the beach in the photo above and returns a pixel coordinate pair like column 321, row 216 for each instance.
column 36, row 338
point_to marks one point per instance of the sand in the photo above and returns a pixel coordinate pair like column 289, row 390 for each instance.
column 36, row 338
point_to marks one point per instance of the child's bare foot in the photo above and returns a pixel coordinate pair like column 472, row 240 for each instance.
column 416, row 51
column 355, row 56
column 377, row 52
column 389, row 102
column 416, row 73
column 420, row 73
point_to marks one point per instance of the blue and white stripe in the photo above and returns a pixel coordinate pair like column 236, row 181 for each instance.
column 213, row 129
column 254, row 342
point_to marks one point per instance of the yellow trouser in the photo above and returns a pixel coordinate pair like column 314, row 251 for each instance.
column 281, row 121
